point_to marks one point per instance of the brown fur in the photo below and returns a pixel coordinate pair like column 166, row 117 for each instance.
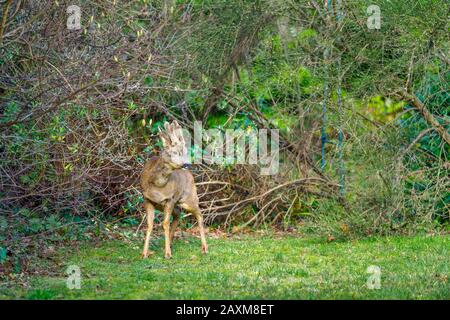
column 166, row 185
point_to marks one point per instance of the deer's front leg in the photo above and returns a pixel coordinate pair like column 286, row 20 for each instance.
column 150, row 211
column 166, row 225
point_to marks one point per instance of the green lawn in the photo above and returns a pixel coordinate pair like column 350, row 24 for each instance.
column 257, row 268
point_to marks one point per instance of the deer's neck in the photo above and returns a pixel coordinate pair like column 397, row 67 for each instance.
column 161, row 173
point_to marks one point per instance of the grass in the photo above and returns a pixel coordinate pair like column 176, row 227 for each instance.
column 256, row 268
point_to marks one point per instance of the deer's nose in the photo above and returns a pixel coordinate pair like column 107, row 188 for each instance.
column 186, row 166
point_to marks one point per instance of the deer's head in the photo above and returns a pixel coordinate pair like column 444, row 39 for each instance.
column 175, row 152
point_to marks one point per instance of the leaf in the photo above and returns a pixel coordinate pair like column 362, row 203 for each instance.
column 35, row 225
column 148, row 81
column 25, row 212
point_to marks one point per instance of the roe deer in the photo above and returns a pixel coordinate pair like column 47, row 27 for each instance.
column 166, row 183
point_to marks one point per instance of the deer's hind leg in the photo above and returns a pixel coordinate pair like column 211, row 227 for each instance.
column 198, row 215
column 150, row 211
column 173, row 226
column 192, row 207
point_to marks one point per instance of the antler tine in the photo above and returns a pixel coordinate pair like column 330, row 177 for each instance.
column 178, row 132
column 172, row 131
column 165, row 137
column 168, row 133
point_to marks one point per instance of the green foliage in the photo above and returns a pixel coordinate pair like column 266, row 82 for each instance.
column 212, row 40
column 133, row 202
column 148, row 81
column 41, row 295
column 12, row 109
column 382, row 110
column 427, row 181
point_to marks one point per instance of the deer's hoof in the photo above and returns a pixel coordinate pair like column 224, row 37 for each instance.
column 204, row 249
column 146, row 254
column 168, row 255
